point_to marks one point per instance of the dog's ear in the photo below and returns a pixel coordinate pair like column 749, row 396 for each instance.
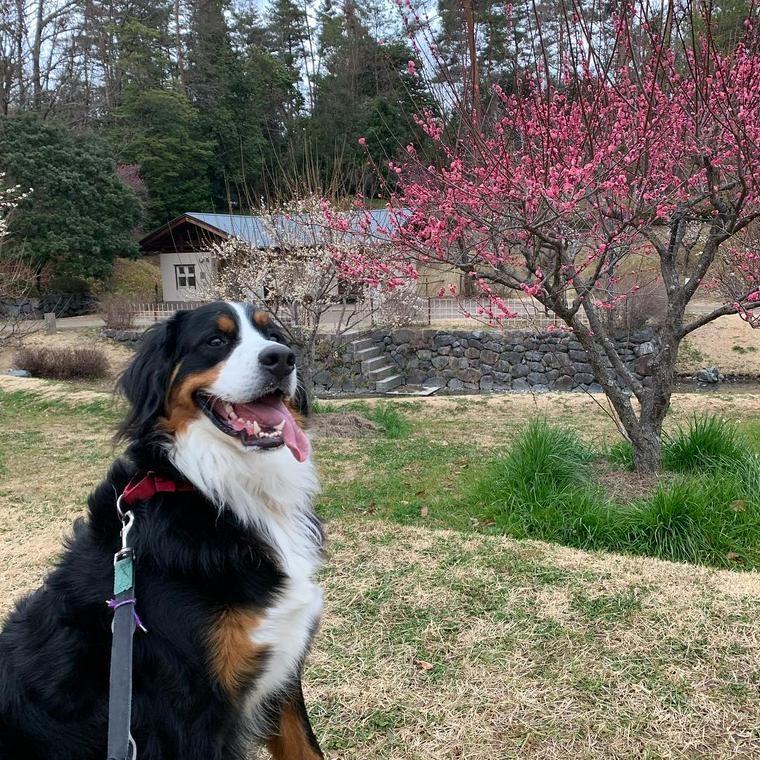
column 145, row 381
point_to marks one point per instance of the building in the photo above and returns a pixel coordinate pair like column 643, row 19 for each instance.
column 182, row 244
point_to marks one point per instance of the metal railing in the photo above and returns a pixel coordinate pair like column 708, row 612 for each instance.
column 431, row 312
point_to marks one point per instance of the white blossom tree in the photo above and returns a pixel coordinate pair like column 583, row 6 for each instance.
column 294, row 278
column 15, row 276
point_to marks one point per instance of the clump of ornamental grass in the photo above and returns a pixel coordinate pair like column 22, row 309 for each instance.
column 707, row 443
column 543, row 488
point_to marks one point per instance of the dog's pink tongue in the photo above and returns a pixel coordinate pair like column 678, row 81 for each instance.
column 269, row 411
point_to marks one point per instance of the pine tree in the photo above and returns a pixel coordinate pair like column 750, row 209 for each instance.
column 365, row 90
column 288, row 34
column 244, row 97
column 160, row 131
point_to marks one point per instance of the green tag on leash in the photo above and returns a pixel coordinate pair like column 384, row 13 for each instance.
column 123, row 575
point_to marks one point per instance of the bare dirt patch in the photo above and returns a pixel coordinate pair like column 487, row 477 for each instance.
column 624, row 486
column 342, row 425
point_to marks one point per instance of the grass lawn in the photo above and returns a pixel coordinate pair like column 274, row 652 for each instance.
column 439, row 639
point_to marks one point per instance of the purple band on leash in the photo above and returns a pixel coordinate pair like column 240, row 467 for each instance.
column 114, row 605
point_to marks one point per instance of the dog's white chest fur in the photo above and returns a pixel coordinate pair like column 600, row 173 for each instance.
column 272, row 492
column 285, row 633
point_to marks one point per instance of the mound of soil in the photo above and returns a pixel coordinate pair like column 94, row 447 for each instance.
column 624, row 486
column 342, row 425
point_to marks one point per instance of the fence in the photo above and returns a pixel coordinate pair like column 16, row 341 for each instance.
column 433, row 311
column 155, row 312
column 528, row 313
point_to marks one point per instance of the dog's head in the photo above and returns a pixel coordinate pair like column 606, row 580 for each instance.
column 222, row 367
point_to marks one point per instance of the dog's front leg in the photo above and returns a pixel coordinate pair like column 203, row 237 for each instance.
column 294, row 739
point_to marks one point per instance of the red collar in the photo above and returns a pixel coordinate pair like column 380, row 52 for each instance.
column 150, row 485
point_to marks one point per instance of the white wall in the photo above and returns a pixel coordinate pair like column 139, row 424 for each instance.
column 169, row 280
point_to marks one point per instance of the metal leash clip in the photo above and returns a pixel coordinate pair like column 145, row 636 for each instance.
column 127, row 521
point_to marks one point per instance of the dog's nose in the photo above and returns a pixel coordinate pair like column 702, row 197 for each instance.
column 278, row 360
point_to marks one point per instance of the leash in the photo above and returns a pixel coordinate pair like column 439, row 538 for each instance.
column 121, row 745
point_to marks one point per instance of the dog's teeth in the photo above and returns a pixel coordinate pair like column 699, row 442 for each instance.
column 228, row 408
column 256, row 428
column 279, row 428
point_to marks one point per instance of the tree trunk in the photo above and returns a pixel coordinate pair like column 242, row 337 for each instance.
column 647, row 451
column 19, row 33
column 180, row 51
column 306, row 382
column 643, row 427
column 304, row 345
column 36, row 56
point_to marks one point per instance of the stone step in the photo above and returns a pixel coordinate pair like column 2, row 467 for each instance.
column 389, row 383
column 381, row 373
column 361, row 344
column 366, row 353
column 376, row 362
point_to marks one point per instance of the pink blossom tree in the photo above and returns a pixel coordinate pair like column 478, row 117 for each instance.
column 593, row 169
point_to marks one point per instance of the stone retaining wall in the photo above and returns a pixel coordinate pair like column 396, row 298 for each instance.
column 484, row 360
column 462, row 361
column 61, row 304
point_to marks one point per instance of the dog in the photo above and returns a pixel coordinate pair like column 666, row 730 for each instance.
column 224, row 563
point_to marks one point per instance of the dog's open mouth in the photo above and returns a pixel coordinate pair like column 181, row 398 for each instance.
column 264, row 423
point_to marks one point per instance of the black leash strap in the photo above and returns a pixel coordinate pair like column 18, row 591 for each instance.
column 121, row 746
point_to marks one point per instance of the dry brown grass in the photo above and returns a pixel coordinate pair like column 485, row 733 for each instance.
column 537, row 651
column 117, row 355
column 728, row 343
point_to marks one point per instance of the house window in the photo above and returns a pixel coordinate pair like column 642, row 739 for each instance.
column 184, row 274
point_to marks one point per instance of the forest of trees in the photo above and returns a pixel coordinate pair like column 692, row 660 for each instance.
column 215, row 104
column 212, row 105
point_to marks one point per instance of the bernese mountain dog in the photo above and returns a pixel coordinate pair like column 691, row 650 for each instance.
column 224, row 566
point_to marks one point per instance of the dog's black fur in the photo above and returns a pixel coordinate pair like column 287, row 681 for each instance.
column 191, row 561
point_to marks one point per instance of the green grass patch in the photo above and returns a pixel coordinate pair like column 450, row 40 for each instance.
column 707, row 443
column 390, row 420
column 387, row 415
column 620, row 455
column 542, row 489
column 320, row 406
column 424, row 470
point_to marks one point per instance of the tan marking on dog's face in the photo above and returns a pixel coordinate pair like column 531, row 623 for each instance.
column 292, row 742
column 261, row 318
column 226, row 324
column 181, row 408
column 234, row 658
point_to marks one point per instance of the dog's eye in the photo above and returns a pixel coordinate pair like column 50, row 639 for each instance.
column 217, row 341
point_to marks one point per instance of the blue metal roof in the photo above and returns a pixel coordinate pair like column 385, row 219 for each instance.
column 294, row 228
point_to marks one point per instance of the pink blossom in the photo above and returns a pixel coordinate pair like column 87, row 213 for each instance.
column 594, row 167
